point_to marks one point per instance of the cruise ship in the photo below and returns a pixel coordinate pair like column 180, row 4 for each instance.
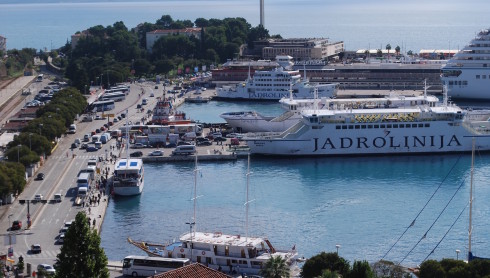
column 367, row 127
column 467, row 74
column 128, row 177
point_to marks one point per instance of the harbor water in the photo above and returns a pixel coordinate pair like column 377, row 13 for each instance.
column 363, row 204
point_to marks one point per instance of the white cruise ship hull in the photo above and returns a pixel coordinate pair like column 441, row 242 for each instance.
column 466, row 86
column 431, row 137
column 244, row 93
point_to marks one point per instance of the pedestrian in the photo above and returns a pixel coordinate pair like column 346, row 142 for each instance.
column 93, row 223
column 89, row 210
column 83, row 204
column 98, row 201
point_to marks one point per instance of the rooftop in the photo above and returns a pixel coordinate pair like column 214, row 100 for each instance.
column 196, row 270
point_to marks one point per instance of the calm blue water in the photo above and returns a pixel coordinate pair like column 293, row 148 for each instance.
column 363, row 204
column 360, row 24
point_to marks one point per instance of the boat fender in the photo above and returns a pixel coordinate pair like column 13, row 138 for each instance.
column 182, row 250
column 203, row 253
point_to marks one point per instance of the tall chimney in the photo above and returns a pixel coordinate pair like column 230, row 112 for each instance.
column 262, row 13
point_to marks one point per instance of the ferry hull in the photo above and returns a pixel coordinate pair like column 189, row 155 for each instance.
column 259, row 124
column 128, row 190
column 475, row 89
column 329, row 141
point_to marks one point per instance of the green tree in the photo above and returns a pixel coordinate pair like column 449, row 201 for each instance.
column 379, row 52
column 275, row 267
column 81, row 254
column 361, row 270
column 432, row 269
column 410, row 52
column 12, row 178
column 315, row 265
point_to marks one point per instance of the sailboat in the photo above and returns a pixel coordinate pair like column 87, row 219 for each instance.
column 220, row 251
column 128, row 177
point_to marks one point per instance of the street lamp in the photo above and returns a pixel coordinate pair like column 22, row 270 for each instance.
column 18, row 152
column 337, row 246
column 30, row 145
column 10, row 230
column 457, row 254
column 190, row 228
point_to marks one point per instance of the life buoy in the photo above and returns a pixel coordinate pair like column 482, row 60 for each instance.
column 182, row 250
column 203, row 253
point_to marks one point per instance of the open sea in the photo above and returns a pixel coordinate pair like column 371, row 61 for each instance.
column 363, row 204
column 412, row 25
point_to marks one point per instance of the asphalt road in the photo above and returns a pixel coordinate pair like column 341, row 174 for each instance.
column 61, row 170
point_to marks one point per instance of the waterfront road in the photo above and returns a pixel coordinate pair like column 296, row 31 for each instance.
column 61, row 170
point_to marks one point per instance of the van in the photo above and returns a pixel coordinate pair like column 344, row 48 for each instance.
column 82, row 191
column 92, row 162
column 104, row 138
column 116, row 133
column 87, row 119
column 98, row 145
column 57, row 197
column 189, row 136
column 83, row 180
column 184, row 150
column 95, row 138
column 73, row 129
column 91, row 170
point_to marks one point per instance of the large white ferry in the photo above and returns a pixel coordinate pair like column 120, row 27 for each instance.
column 467, row 74
column 252, row 121
column 274, row 85
column 227, row 252
column 128, row 177
column 364, row 127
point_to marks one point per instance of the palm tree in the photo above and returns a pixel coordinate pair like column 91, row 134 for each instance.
column 275, row 267
column 397, row 50
column 388, row 47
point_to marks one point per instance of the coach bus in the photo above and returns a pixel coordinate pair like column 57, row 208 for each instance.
column 113, row 96
column 103, row 105
column 146, row 266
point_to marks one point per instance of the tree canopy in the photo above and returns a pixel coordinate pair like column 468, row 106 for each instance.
column 81, row 254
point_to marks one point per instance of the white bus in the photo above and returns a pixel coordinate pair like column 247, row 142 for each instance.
column 113, row 96
column 40, row 78
column 104, row 105
column 147, row 266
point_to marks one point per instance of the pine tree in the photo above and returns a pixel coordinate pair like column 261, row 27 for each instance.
column 81, row 254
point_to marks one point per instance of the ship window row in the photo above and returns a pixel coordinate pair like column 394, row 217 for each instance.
column 478, row 76
column 464, row 83
column 383, row 126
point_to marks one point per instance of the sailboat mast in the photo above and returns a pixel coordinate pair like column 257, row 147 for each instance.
column 470, row 228
column 127, row 139
column 195, row 194
column 246, row 203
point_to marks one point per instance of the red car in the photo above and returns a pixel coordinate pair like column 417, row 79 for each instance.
column 16, row 225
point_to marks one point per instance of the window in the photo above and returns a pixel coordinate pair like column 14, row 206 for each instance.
column 477, row 76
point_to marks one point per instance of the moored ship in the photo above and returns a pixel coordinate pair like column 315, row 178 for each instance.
column 467, row 74
column 358, row 128
column 274, row 85
column 128, row 177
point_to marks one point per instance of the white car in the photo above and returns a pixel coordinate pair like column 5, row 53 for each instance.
column 156, row 153
column 38, row 197
column 49, row 269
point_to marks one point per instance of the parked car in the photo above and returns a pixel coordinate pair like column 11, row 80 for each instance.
column 61, row 237
column 136, row 154
column 36, row 248
column 16, row 225
column 97, row 130
column 116, row 120
column 84, row 146
column 183, row 143
column 91, row 149
column 46, row 268
column 204, row 142
column 102, row 128
column 74, row 145
column 152, row 95
column 98, row 117
column 156, row 153
column 232, row 135
column 40, row 176
column 138, row 146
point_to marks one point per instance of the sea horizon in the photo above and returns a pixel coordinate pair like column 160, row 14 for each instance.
column 440, row 24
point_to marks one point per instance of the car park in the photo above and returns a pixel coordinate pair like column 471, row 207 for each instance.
column 16, row 225
column 48, row 269
column 36, row 248
column 136, row 154
column 38, row 197
column 40, row 176
column 156, row 153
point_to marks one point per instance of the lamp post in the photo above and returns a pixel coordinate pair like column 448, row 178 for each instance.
column 30, row 145
column 337, row 246
column 18, row 152
column 190, row 228
column 10, row 230
column 457, row 254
